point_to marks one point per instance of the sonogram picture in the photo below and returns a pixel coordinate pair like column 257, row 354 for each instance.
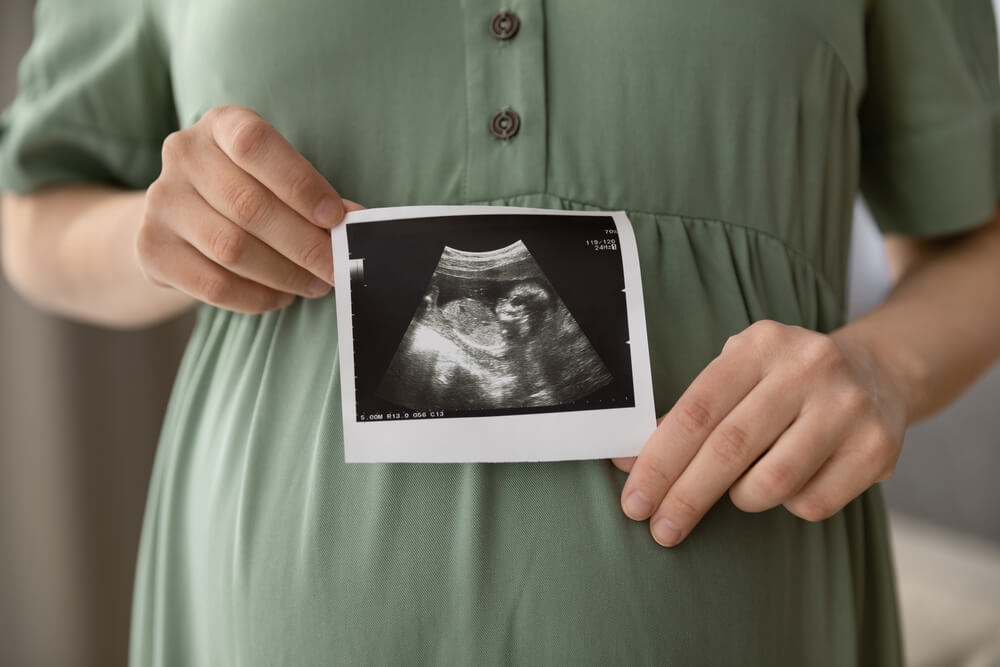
column 490, row 334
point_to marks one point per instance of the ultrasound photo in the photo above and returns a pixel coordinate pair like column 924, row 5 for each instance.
column 468, row 315
column 454, row 317
column 491, row 332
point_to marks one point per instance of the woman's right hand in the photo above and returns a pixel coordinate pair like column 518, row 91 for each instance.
column 238, row 218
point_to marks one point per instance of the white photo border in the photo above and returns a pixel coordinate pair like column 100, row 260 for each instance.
column 552, row 436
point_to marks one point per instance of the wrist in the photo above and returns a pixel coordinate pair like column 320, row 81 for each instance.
column 896, row 373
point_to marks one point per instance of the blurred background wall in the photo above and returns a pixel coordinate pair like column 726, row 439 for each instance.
column 80, row 410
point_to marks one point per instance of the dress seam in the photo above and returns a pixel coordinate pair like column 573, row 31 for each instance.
column 793, row 252
column 119, row 141
column 987, row 112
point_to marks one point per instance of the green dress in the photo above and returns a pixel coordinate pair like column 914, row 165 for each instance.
column 736, row 135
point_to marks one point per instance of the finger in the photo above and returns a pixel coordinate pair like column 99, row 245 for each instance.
column 712, row 395
column 242, row 199
column 260, row 150
column 789, row 464
column 852, row 468
column 742, row 435
column 231, row 247
column 186, row 269
column 842, row 478
column 624, row 464
column 352, row 206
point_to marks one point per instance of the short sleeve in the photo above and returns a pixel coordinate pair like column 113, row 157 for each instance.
column 929, row 116
column 93, row 102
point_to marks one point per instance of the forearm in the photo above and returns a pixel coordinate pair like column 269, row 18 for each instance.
column 71, row 251
column 940, row 327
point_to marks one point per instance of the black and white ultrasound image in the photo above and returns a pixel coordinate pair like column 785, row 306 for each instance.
column 464, row 316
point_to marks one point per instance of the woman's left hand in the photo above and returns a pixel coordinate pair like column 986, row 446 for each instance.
column 783, row 416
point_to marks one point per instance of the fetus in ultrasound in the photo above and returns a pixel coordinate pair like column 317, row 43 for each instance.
column 490, row 333
column 523, row 310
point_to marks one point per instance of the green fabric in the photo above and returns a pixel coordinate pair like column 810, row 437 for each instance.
column 735, row 134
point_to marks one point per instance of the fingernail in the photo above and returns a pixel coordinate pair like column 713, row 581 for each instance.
column 318, row 287
column 637, row 505
column 329, row 212
column 665, row 532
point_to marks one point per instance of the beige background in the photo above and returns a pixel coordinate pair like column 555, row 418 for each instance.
column 80, row 410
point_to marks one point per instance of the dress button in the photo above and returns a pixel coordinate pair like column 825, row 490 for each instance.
column 505, row 124
column 504, row 25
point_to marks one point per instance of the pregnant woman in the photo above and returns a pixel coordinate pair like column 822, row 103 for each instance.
column 165, row 153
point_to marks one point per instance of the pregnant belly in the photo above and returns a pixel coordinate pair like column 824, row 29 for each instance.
column 262, row 547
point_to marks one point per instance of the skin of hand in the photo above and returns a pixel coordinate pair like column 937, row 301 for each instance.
column 787, row 416
column 824, row 424
column 238, row 218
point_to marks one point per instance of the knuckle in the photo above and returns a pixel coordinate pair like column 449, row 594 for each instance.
column 314, row 253
column 730, row 444
column 775, row 480
column 211, row 117
column 681, row 505
column 214, row 288
column 734, row 342
column 228, row 115
column 249, row 136
column 883, row 435
column 156, row 199
column 299, row 184
column 228, row 246
column 175, row 147
column 222, row 113
column 763, row 331
column 880, row 447
column 654, row 476
column 247, row 203
column 853, row 401
column 820, row 353
column 694, row 417
column 294, row 280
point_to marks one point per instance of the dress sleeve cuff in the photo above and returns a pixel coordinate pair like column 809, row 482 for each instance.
column 937, row 183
